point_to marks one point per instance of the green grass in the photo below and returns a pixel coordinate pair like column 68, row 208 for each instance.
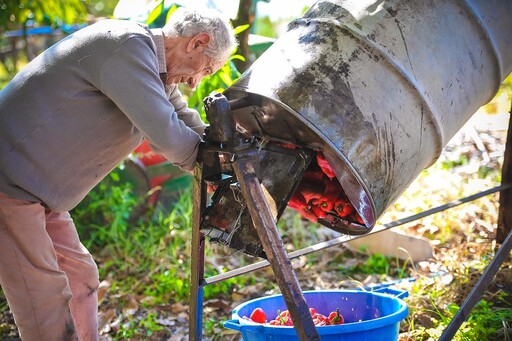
column 432, row 307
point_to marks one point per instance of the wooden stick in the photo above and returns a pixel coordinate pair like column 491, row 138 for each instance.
column 505, row 202
column 273, row 245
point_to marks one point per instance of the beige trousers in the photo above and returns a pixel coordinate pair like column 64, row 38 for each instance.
column 47, row 275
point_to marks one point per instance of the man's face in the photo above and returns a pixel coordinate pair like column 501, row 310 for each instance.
column 189, row 64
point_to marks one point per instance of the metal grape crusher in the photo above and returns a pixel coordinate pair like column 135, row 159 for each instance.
column 355, row 85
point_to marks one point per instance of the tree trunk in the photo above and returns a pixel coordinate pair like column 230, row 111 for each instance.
column 245, row 15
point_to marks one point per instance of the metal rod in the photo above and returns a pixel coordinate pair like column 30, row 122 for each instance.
column 197, row 258
column 478, row 289
column 448, row 205
column 344, row 238
column 265, row 225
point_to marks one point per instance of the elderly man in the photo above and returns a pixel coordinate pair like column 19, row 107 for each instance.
column 66, row 120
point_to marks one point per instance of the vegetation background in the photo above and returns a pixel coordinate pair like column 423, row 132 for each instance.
column 144, row 258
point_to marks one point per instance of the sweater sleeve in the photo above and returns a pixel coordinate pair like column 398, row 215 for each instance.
column 188, row 115
column 130, row 79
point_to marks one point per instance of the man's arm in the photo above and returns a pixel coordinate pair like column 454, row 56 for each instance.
column 188, row 115
column 130, row 79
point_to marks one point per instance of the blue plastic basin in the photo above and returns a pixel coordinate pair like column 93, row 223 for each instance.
column 368, row 316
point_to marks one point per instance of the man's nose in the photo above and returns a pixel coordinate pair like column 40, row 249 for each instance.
column 193, row 81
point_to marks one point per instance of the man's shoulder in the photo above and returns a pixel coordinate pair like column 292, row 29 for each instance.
column 117, row 29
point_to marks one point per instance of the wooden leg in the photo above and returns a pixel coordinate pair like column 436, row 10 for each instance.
column 197, row 259
column 505, row 211
column 265, row 225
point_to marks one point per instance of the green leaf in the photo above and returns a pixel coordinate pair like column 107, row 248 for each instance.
column 171, row 11
column 238, row 57
column 114, row 176
column 241, row 28
column 155, row 13
column 226, row 79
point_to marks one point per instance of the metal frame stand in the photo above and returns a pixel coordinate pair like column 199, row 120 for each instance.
column 244, row 167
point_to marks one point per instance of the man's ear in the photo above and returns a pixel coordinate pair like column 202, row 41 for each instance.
column 200, row 40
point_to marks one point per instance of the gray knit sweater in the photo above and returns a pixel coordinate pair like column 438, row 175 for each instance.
column 78, row 109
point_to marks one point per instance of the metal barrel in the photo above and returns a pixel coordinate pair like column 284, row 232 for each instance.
column 379, row 86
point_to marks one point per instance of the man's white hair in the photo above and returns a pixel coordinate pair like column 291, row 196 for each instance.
column 186, row 22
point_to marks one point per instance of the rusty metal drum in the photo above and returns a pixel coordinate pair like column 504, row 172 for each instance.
column 379, row 87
